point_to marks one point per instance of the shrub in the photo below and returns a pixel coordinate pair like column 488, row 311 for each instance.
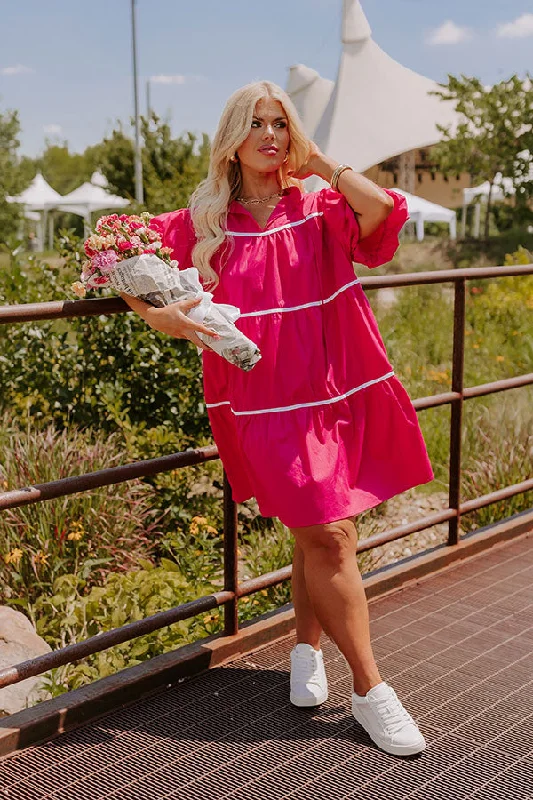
column 87, row 534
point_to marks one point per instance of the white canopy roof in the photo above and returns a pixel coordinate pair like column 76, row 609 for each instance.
column 310, row 94
column 378, row 108
column 38, row 194
column 92, row 197
column 421, row 211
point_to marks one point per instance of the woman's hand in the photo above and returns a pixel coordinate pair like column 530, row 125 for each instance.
column 314, row 165
column 172, row 319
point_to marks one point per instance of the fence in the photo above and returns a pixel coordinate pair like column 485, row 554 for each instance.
column 232, row 591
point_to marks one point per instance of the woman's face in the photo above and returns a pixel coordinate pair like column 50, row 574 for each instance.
column 266, row 146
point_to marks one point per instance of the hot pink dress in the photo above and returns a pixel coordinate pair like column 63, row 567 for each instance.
column 321, row 428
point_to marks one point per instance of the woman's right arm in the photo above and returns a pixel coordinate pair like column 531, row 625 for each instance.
column 171, row 319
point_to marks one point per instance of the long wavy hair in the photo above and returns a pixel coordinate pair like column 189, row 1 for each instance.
column 209, row 203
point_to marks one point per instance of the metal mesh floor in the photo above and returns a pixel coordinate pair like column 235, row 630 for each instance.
column 458, row 649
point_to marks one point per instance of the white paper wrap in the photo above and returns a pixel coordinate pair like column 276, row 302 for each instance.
column 152, row 280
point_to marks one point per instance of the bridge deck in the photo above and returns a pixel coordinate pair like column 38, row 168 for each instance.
column 457, row 647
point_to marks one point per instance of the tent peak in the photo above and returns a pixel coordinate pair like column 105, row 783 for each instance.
column 355, row 26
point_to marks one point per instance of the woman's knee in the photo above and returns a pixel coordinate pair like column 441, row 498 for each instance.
column 334, row 539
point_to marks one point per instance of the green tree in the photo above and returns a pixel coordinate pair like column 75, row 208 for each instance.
column 11, row 177
column 172, row 166
column 63, row 170
column 494, row 134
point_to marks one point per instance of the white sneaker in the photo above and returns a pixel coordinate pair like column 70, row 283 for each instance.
column 386, row 721
column 309, row 685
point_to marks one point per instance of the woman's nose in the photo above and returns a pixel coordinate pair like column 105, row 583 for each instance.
column 269, row 131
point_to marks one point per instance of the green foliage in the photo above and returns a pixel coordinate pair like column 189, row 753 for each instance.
column 10, row 183
column 498, row 452
column 172, row 167
column 71, row 613
column 105, row 371
column 494, row 134
column 63, row 170
column 87, row 533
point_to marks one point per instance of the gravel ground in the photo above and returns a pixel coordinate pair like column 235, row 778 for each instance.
column 400, row 510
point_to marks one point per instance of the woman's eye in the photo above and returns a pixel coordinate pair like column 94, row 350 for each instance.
column 282, row 124
column 255, row 123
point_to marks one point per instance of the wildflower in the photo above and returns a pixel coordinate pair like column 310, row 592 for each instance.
column 105, row 261
column 41, row 558
column 13, row 557
column 78, row 288
column 475, row 346
column 200, row 520
column 500, row 358
column 75, row 536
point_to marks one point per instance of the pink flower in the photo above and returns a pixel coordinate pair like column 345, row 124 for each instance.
column 150, row 248
column 97, row 280
column 134, row 224
column 156, row 225
column 105, row 261
column 88, row 249
column 124, row 245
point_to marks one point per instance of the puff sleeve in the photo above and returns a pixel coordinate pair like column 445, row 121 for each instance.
column 380, row 246
column 177, row 232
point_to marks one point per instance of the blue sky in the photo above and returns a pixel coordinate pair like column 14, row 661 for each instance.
column 66, row 64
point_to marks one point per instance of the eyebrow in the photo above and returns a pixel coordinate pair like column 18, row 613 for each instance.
column 277, row 119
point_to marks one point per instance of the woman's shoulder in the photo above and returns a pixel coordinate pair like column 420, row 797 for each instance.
column 178, row 220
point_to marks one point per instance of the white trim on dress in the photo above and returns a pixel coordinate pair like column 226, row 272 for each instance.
column 305, row 305
column 275, row 230
column 304, row 405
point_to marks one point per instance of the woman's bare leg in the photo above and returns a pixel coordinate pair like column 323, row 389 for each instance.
column 336, row 592
column 308, row 628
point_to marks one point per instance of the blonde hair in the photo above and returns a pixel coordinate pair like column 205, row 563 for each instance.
column 209, row 203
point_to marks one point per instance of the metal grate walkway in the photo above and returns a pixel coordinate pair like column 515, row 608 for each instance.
column 458, row 649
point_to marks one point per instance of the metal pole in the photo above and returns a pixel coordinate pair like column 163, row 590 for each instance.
column 139, row 194
column 231, row 579
column 456, row 419
column 148, row 103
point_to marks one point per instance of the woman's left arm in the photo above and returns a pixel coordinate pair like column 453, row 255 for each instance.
column 371, row 204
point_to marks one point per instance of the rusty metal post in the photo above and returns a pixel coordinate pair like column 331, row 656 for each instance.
column 231, row 619
column 457, row 409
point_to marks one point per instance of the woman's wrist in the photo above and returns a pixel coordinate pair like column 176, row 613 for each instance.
column 324, row 167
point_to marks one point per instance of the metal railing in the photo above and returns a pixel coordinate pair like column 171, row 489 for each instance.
column 233, row 590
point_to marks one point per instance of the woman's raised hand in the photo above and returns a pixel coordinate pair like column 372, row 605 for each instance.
column 312, row 165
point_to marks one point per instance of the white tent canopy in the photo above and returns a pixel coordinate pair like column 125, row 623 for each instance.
column 310, row 94
column 378, row 108
column 38, row 194
column 90, row 196
column 421, row 211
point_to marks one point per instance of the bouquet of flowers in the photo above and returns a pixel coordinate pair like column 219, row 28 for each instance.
column 126, row 253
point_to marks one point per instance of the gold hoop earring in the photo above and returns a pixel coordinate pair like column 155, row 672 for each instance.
column 286, row 157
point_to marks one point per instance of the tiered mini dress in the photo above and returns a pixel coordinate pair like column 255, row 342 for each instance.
column 320, row 429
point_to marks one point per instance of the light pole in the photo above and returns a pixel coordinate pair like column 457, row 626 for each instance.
column 139, row 194
column 148, row 101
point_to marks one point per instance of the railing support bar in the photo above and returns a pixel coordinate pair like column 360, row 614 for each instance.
column 457, row 410
column 231, row 618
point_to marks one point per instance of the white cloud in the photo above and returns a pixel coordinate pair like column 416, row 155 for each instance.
column 176, row 79
column 52, row 129
column 449, row 33
column 168, row 79
column 520, row 28
column 18, row 69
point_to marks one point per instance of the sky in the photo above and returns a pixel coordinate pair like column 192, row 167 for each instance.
column 66, row 65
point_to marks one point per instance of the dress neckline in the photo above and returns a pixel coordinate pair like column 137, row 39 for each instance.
column 237, row 208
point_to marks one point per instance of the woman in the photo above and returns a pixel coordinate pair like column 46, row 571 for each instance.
column 320, row 429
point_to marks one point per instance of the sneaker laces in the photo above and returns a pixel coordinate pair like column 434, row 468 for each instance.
column 305, row 665
column 392, row 713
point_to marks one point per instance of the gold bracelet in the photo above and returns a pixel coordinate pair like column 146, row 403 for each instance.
column 337, row 172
